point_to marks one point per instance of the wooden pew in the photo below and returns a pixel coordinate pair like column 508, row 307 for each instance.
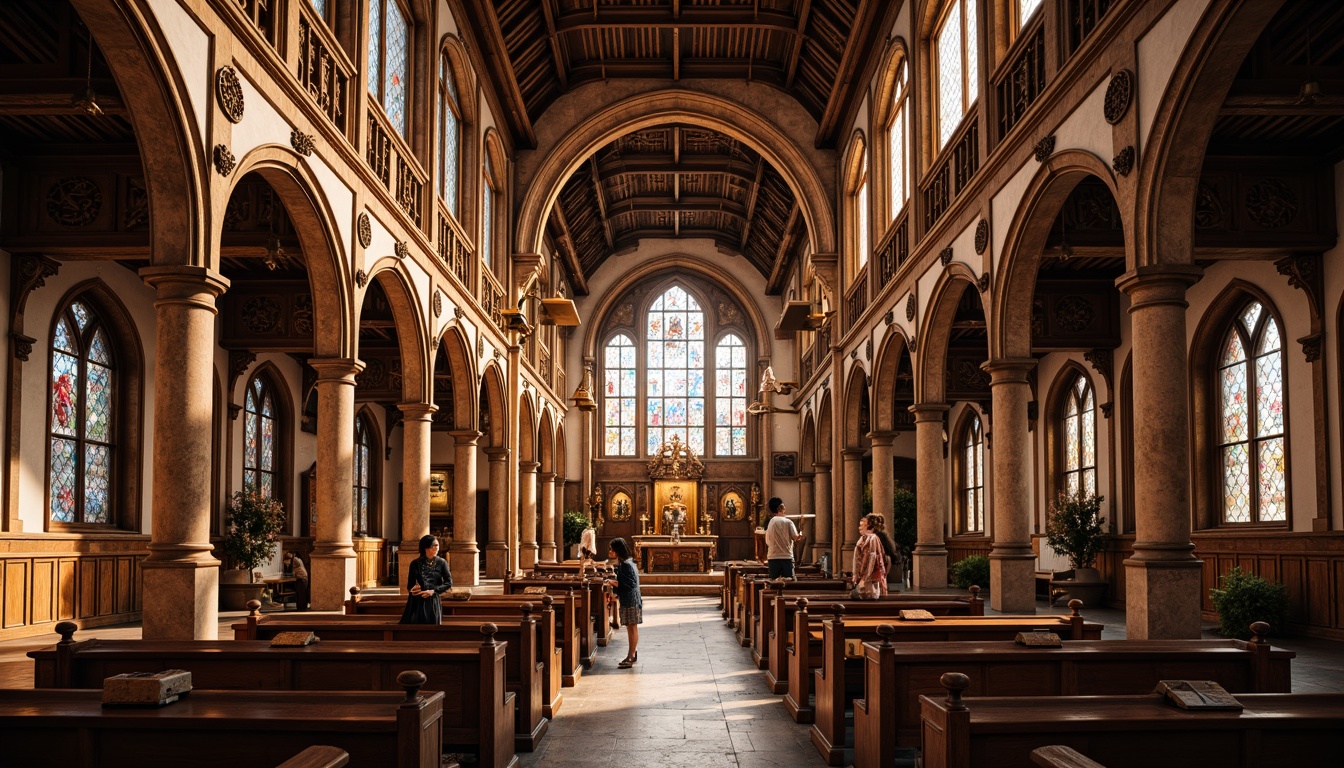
column 887, row 713
column 587, row 592
column 318, row 757
column 733, row 571
column 488, row 607
column 523, row 669
column 818, row 640
column 1275, row 730
column 750, row 598
column 603, row 610
column 478, row 713
column 780, row 636
column 222, row 729
column 1057, row 756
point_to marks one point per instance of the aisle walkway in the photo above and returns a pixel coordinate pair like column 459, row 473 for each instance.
column 694, row 699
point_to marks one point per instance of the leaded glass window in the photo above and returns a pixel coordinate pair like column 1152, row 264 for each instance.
column 321, row 7
column 619, row 397
column 1251, row 410
column 730, row 397
column 899, row 187
column 450, row 135
column 82, row 410
column 675, row 332
column 861, row 213
column 1080, row 438
column 958, row 66
column 487, row 218
column 363, row 459
column 972, row 480
column 1025, row 9
column 260, row 437
column 389, row 46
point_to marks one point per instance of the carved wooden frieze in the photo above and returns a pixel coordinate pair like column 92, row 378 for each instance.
column 74, row 201
column 1276, row 204
column 966, row 380
column 276, row 316
column 381, row 380
column 1068, row 314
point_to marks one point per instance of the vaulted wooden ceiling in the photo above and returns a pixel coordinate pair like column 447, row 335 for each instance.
column 676, row 181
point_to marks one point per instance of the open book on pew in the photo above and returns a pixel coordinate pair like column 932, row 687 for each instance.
column 1204, row 695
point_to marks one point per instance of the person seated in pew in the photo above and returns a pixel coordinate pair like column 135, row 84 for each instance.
column 870, row 569
column 427, row 578
column 294, row 564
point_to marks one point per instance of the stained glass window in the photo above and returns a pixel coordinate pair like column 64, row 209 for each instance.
column 861, row 213
column 619, row 397
column 364, row 456
column 675, row 403
column 1251, row 402
column 1080, row 438
column 730, row 397
column 261, row 438
column 973, row 477
column 958, row 66
column 450, row 135
column 389, row 59
column 896, row 149
column 82, row 410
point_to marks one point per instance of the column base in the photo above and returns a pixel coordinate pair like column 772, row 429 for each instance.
column 1162, row 599
column 332, row 577
column 496, row 560
column 546, row 553
column 930, row 568
column 1012, row 580
column 185, row 600
column 464, row 563
column 527, row 555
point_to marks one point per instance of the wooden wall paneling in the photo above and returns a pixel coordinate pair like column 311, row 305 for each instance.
column 1318, row 589
column 125, row 584
column 1291, row 567
column 65, row 597
column 88, row 588
column 16, row 589
column 44, row 591
column 106, row 567
column 1337, row 585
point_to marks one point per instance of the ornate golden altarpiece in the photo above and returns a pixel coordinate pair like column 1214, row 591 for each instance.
column 676, row 473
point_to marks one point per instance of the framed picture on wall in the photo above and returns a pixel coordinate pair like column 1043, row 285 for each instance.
column 784, row 464
column 441, row 501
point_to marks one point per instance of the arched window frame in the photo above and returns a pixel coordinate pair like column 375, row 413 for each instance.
column 389, row 88
column 970, row 473
column 83, row 341
column 259, row 472
column 1259, row 364
column 620, row 382
column 730, row 395
column 367, row 509
column 450, row 122
column 955, row 40
column 1076, row 412
column 493, row 163
column 896, row 131
column 858, row 205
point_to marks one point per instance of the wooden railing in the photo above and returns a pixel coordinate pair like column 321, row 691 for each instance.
column 392, row 162
column 856, row 299
column 262, row 15
column 1080, row 18
column 544, row 364
column 492, row 298
column 808, row 364
column 1022, row 77
column 822, row 349
column 323, row 70
column 455, row 250
column 892, row 252
column 953, row 171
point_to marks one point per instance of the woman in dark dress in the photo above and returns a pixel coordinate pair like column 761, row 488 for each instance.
column 626, row 584
column 427, row 579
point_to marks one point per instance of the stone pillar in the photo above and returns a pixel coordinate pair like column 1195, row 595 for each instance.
column 930, row 555
column 464, row 560
column 1012, row 566
column 180, row 573
column 1162, row 597
column 822, row 482
column 497, row 544
column 558, row 504
column 416, row 421
column 848, row 520
column 527, row 503
column 807, row 505
column 333, row 571
column 884, row 482
column 552, row 534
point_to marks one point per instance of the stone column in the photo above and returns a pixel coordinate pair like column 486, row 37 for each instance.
column 930, row 555
column 552, row 534
column 333, row 571
column 558, row 504
column 416, row 421
column 822, row 483
column 497, row 544
column 527, row 502
column 1012, row 566
column 464, row 561
column 848, row 520
column 1162, row 595
column 807, row 505
column 180, row 573
column 884, row 482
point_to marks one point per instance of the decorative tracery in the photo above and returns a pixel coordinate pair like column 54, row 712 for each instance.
column 1251, row 410
column 260, row 436
column 81, row 408
column 1080, row 438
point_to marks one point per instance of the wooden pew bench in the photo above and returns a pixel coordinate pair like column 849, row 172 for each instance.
column 221, row 729
column 895, row 675
column 733, row 571
column 589, row 601
column 318, row 756
column 1275, row 730
column 752, row 588
column 478, row 713
column 821, row 640
column 523, row 669
column 594, row 579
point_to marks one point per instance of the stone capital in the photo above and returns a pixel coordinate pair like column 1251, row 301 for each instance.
column 528, row 466
column 526, row 268
column 465, row 436
column 497, row 454
column 882, row 439
column 1159, row 284
column 417, row 411
column 928, row 411
column 805, row 477
column 186, row 285
column 1008, row 370
column 853, row 454
column 547, row 477
column 822, row 468
column 337, row 370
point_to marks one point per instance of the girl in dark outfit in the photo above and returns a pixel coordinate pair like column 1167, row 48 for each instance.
column 427, row 579
column 632, row 602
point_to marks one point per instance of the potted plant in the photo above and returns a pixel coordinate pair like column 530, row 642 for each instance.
column 251, row 534
column 903, row 531
column 1245, row 598
column 1075, row 529
column 575, row 523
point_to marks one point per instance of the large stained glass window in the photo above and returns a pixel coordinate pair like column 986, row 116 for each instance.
column 619, row 397
column 1080, row 438
column 363, row 457
column 730, row 397
column 82, row 410
column 389, row 46
column 972, row 480
column 899, row 187
column 675, row 331
column 1251, row 408
column 958, row 66
column 261, row 437
column 450, row 135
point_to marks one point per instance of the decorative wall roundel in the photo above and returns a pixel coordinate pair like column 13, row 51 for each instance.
column 261, row 314
column 910, row 309
column 981, row 237
column 437, row 303
column 229, row 91
column 74, row 201
column 1119, row 94
column 365, row 230
column 1074, row 314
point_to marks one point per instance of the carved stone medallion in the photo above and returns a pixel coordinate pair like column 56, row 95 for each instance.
column 224, row 160
column 982, row 282
column 365, row 230
column 261, row 314
column 1123, row 163
column 1044, row 149
column 910, row 308
column 361, row 278
column 1119, row 94
column 945, row 255
column 74, row 201
column 230, row 94
column 1271, row 203
column 436, row 303
column 401, row 249
column 981, row 237
column 301, row 142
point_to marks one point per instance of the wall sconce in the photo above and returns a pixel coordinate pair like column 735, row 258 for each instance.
column 583, row 397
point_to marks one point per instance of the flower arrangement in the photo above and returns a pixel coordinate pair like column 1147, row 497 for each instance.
column 255, row 523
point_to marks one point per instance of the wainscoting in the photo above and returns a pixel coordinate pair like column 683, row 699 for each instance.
column 92, row 580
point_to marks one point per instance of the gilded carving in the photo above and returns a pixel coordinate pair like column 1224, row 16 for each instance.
column 301, row 142
column 1271, row 203
column 1119, row 94
column 365, row 229
column 229, row 91
column 224, row 160
column 74, row 201
column 981, row 237
column 261, row 314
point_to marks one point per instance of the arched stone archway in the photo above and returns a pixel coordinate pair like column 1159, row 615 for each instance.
column 527, row 482
column 412, row 338
column 548, row 512
column 823, row 461
column 857, row 414
column 493, row 421
column 892, row 395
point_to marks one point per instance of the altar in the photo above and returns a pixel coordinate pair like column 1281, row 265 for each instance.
column 659, row 554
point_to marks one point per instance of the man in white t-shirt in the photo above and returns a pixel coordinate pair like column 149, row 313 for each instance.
column 780, row 534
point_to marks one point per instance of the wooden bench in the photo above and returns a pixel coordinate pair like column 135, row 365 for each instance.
column 887, row 713
column 587, row 593
column 750, row 598
column 222, row 729
column 522, row 667
column 604, row 611
column 550, row 640
column 733, row 571
column 1275, row 730
column 318, row 756
column 776, row 641
column 1056, row 756
column 819, row 640
column 478, row 712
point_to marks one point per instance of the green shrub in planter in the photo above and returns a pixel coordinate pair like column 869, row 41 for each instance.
column 973, row 570
column 574, row 525
column 1245, row 598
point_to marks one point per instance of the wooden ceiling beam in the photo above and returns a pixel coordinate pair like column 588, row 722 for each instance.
column 606, row 18
column 485, row 23
column 626, row 164
column 803, row 13
column 1281, row 106
column 871, row 21
column 751, row 201
column 779, row 272
column 56, row 96
column 601, row 200
column 567, row 252
column 658, row 205
column 556, row 55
